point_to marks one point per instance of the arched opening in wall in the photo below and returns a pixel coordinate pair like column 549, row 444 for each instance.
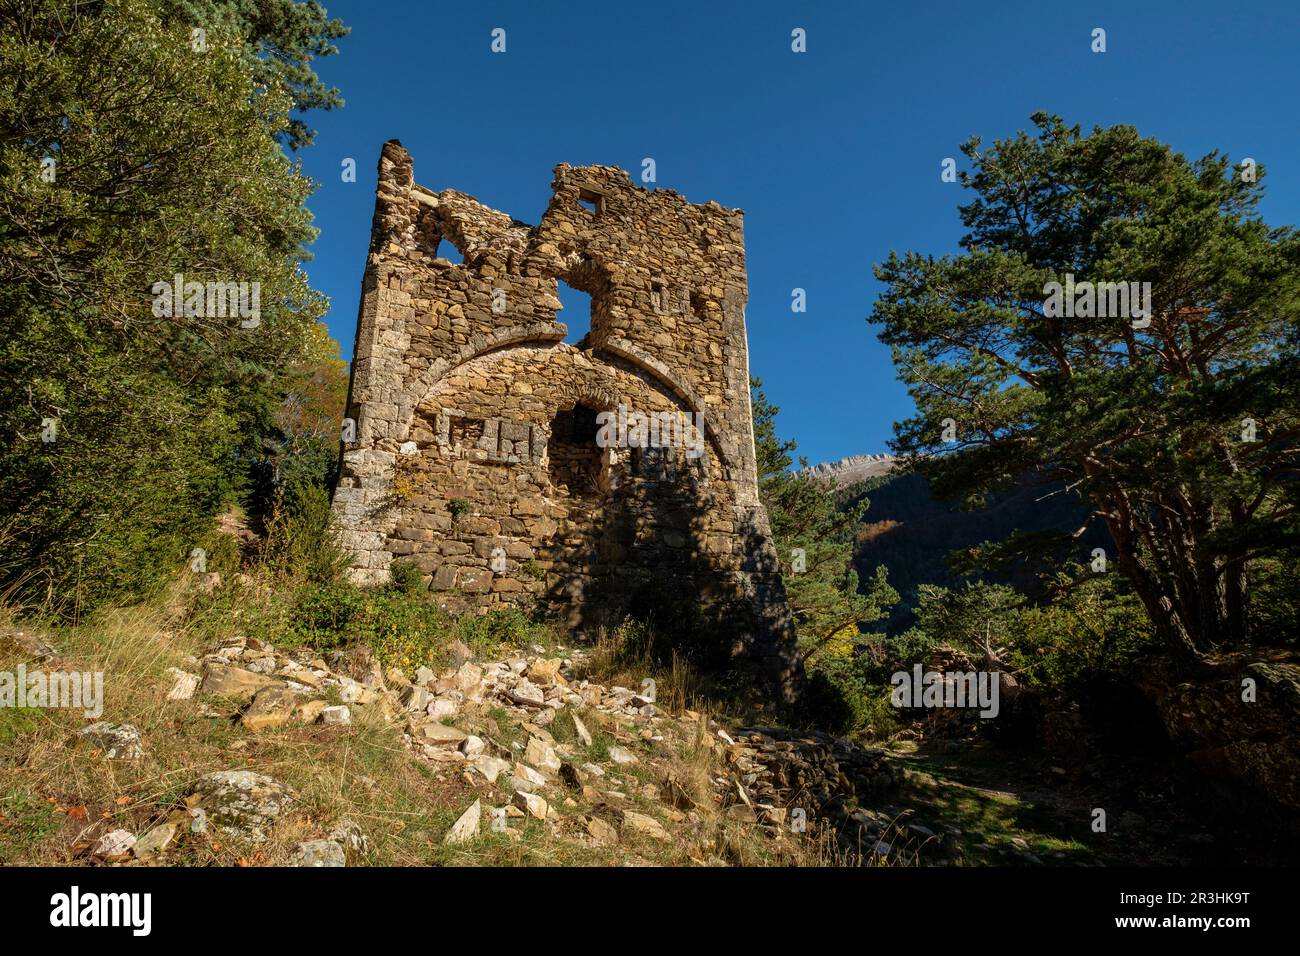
column 449, row 252
column 576, row 463
column 576, row 313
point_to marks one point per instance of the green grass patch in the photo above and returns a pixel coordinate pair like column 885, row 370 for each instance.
column 17, row 721
column 25, row 822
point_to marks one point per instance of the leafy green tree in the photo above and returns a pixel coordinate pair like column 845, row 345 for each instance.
column 979, row 619
column 281, row 39
column 1179, row 428
column 1093, row 626
column 128, row 157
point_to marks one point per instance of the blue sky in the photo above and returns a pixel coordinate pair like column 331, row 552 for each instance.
column 833, row 154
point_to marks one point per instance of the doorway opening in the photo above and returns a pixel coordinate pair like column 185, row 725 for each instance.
column 577, row 464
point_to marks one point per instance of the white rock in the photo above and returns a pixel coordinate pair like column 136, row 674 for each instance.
column 472, row 746
column 526, row 778
column 583, row 733
column 336, row 715
column 528, row 693
column 469, row 678
column 440, row 735
column 117, row 741
column 441, row 707
column 442, row 754
column 316, row 853
column 649, row 826
column 348, row 835
column 542, row 755
column 155, row 840
column 114, row 843
column 415, row 698
column 466, row 828
column 621, row 756
column 184, row 684
column 489, row 766
column 532, row 804
column 242, row 803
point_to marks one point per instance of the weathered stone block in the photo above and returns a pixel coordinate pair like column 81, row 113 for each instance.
column 474, row 580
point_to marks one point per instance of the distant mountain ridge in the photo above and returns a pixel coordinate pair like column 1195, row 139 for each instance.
column 851, row 470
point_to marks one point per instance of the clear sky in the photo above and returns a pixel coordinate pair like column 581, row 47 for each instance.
column 833, row 154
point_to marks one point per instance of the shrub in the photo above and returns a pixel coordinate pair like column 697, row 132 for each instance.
column 406, row 633
column 1275, row 607
column 405, row 578
column 324, row 616
column 220, row 553
column 300, row 541
column 848, row 694
column 403, row 629
column 503, row 625
column 17, row 721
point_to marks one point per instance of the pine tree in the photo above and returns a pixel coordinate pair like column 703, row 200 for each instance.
column 814, row 539
column 1180, row 426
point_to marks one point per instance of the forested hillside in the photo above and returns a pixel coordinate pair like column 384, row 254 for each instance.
column 915, row 537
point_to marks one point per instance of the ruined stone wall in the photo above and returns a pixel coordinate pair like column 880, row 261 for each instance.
column 473, row 455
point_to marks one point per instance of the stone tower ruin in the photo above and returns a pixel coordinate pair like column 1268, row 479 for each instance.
column 472, row 448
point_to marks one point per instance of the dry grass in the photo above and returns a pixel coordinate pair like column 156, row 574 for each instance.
column 362, row 772
column 622, row 658
column 57, row 798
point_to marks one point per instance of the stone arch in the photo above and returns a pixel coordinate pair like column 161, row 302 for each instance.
column 587, row 393
column 426, row 381
column 683, row 392
column 599, row 397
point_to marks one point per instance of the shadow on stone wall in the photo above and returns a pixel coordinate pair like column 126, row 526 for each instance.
column 651, row 559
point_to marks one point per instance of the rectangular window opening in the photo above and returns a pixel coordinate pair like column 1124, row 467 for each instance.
column 591, row 201
column 699, row 302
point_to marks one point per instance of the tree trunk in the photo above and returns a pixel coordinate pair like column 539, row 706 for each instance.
column 1165, row 618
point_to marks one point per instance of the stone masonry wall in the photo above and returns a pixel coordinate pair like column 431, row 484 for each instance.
column 474, row 452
